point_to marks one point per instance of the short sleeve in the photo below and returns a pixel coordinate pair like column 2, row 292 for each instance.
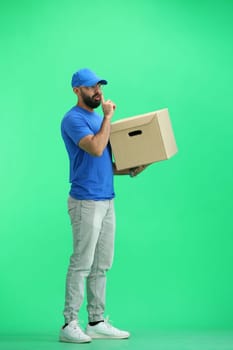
column 76, row 128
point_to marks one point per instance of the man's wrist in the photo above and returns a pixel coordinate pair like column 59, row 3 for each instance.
column 107, row 116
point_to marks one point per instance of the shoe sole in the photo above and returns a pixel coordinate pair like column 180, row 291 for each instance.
column 102, row 336
column 66, row 340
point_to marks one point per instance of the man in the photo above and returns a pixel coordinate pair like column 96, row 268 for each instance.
column 91, row 208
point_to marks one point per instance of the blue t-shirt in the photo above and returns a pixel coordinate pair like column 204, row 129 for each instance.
column 90, row 177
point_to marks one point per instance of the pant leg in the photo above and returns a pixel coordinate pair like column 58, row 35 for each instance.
column 86, row 219
column 103, row 258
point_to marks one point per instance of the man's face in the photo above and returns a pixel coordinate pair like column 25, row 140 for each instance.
column 91, row 96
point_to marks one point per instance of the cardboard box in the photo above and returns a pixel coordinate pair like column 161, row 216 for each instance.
column 142, row 139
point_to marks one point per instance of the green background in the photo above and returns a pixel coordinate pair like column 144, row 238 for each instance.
column 174, row 257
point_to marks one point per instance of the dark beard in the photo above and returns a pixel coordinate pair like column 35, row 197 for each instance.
column 90, row 101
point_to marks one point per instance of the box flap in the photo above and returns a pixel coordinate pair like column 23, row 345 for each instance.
column 134, row 122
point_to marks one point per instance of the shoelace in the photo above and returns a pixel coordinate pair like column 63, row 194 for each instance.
column 108, row 322
column 77, row 327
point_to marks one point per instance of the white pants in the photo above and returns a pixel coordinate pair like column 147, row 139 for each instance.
column 93, row 226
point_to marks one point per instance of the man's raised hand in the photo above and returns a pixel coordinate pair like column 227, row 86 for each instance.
column 108, row 107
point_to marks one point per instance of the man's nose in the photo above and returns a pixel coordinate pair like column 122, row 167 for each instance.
column 98, row 87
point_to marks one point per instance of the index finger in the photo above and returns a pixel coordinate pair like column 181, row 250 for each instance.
column 102, row 98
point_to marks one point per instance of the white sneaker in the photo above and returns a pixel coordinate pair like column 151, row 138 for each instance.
column 104, row 330
column 72, row 333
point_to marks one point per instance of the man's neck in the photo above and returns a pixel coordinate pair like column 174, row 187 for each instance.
column 84, row 106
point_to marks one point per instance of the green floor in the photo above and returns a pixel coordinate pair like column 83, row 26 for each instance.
column 144, row 340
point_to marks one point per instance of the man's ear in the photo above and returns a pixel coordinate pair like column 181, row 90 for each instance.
column 76, row 90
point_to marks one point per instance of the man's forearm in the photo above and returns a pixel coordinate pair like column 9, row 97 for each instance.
column 120, row 172
column 101, row 139
column 132, row 171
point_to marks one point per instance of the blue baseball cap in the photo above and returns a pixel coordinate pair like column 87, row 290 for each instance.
column 85, row 77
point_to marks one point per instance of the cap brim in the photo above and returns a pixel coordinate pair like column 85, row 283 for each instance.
column 103, row 82
column 96, row 81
